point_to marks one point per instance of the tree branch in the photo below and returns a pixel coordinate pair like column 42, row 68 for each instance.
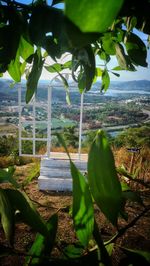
column 124, row 229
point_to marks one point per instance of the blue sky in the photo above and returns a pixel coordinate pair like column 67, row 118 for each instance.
column 141, row 73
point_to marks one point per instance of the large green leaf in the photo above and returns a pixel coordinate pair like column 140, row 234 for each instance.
column 82, row 210
column 102, row 176
column 34, row 75
column 136, row 50
column 28, row 213
column 14, row 68
column 76, row 38
column 9, row 40
column 25, row 48
column 7, row 215
column 6, row 175
column 43, row 245
column 86, row 60
column 92, row 16
column 46, row 30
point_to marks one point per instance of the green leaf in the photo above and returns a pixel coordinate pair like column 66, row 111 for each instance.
column 55, row 68
column 143, row 257
column 26, row 49
column 124, row 186
column 82, row 210
column 132, row 196
column 102, row 176
column 73, row 251
column 89, row 67
column 104, row 254
column 75, row 37
column 84, row 59
column 99, row 72
column 104, row 56
column 109, row 248
column 136, row 50
column 117, row 68
column 132, row 23
column 34, row 75
column 44, row 20
column 105, row 80
column 92, row 16
column 67, row 64
column 22, row 67
column 108, row 44
column 81, row 82
column 7, row 215
column 6, row 175
column 66, row 86
column 14, row 68
column 116, row 74
column 43, row 245
column 121, row 56
column 21, row 202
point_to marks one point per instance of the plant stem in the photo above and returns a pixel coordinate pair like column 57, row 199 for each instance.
column 124, row 229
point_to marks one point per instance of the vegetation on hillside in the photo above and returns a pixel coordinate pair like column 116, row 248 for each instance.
column 83, row 30
column 137, row 137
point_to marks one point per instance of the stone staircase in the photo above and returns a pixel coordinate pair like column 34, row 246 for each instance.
column 55, row 173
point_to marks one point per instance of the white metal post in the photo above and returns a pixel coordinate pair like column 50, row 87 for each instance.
column 33, row 129
column 19, row 110
column 80, row 126
column 49, row 104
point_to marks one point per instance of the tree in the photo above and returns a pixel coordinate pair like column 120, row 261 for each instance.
column 85, row 29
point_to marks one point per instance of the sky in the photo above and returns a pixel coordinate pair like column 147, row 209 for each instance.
column 141, row 73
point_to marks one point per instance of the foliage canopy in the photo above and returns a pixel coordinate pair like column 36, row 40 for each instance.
column 85, row 29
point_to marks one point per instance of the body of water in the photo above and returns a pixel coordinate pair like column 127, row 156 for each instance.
column 116, row 93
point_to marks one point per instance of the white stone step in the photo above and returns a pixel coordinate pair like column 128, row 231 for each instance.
column 57, row 172
column 62, row 173
column 61, row 163
column 55, row 184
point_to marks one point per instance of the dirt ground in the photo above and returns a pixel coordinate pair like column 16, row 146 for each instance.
column 137, row 237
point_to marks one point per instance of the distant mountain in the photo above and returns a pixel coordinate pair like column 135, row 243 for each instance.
column 9, row 92
column 135, row 85
column 128, row 85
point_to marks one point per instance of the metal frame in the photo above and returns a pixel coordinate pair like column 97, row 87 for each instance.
column 48, row 122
